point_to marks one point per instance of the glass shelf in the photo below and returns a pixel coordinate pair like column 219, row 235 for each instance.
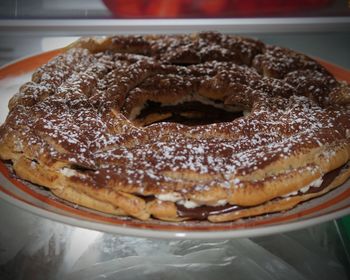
column 37, row 248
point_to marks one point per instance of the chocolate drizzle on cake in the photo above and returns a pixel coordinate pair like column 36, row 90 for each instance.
column 128, row 117
column 202, row 212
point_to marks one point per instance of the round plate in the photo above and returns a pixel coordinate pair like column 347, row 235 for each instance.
column 40, row 201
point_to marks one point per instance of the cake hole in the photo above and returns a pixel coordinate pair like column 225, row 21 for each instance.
column 190, row 113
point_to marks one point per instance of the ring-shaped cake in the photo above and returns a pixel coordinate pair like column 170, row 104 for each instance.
column 200, row 126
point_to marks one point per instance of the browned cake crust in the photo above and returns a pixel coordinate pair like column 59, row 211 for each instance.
column 201, row 126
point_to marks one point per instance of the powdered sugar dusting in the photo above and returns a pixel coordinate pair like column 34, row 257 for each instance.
column 79, row 109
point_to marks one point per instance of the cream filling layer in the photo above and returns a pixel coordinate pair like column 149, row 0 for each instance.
column 314, row 184
column 177, row 198
column 68, row 172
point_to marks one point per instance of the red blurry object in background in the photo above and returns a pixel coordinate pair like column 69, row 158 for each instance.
column 211, row 8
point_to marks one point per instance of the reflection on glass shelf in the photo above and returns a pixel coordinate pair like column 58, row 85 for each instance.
column 106, row 9
column 44, row 249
